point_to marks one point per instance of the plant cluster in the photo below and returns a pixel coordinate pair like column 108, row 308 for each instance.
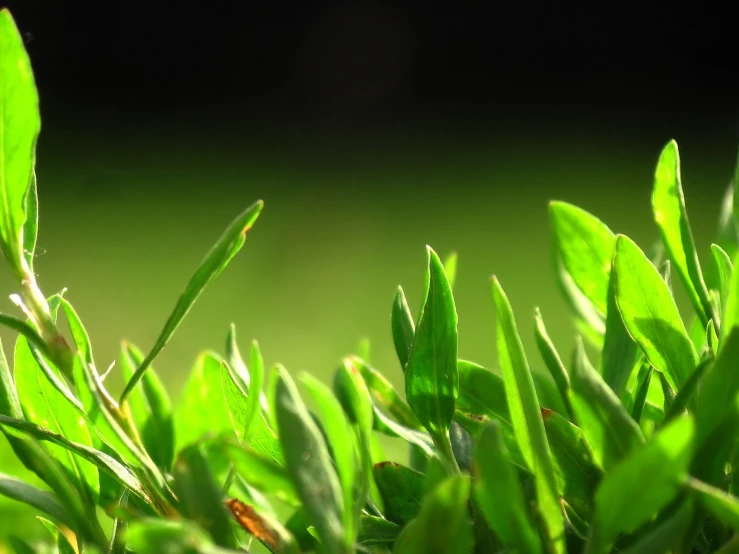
column 636, row 452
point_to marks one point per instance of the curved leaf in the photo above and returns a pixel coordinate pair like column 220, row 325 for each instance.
column 214, row 262
column 650, row 314
column 526, row 417
column 403, row 328
column 668, row 203
column 42, row 500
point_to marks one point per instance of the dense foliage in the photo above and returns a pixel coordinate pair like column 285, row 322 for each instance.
column 635, row 453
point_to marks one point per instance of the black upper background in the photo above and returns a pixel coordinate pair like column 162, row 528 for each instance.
column 355, row 61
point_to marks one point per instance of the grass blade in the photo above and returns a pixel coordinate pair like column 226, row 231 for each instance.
column 650, row 314
column 431, row 377
column 552, row 360
column 403, row 328
column 99, row 459
column 384, row 394
column 642, row 484
column 724, row 268
column 668, row 204
column 339, row 437
column 20, row 123
column 151, row 409
column 526, row 416
column 496, row 480
column 215, row 261
column 200, row 498
column 309, row 466
column 47, row 407
column 42, row 500
column 585, row 245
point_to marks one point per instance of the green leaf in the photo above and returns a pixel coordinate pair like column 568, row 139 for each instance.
column 552, row 360
column 151, row 409
column 27, row 331
column 62, row 542
column 242, row 375
column 431, row 377
column 724, row 270
column 666, row 533
column 120, row 526
column 450, row 268
column 199, row 495
column 403, row 328
column 610, row 431
column 575, row 469
column 339, row 437
column 620, row 353
column 496, row 479
column 384, row 394
column 588, row 320
column 309, row 465
column 20, row 123
column 526, row 417
column 643, row 381
column 642, row 484
column 650, row 314
column 376, row 530
column 47, row 407
column 203, row 388
column 442, row 526
column 214, row 262
column 686, row 395
column 720, row 503
column 719, row 389
column 30, row 226
column 20, row 546
column 547, row 392
column 355, row 399
column 481, row 392
column 668, row 203
column 401, row 489
column 261, row 438
column 585, row 245
column 42, row 500
column 95, row 457
column 261, row 472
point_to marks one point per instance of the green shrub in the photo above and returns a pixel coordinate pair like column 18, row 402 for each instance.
column 635, row 453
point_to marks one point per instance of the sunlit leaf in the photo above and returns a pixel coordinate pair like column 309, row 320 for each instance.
column 214, row 262
column 552, row 360
column 650, row 314
column 431, row 377
column 668, row 204
column 525, row 413
column 496, row 479
column 642, row 484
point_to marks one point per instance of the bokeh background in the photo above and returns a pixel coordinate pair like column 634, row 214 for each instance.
column 370, row 129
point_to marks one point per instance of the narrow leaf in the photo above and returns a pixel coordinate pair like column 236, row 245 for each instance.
column 20, row 123
column 431, row 377
column 403, row 328
column 62, row 542
column 608, row 427
column 724, row 270
column 151, row 408
column 450, row 268
column 214, row 262
column 42, row 500
column 309, row 465
column 496, row 479
column 668, row 203
column 525, row 415
column 552, row 360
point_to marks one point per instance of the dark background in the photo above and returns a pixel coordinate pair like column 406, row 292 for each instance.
column 353, row 62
